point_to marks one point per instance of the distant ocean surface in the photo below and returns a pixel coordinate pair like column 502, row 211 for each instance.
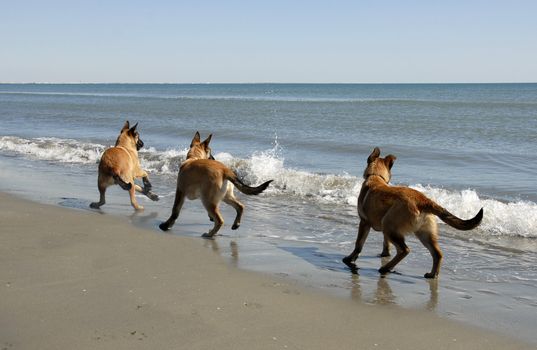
column 465, row 145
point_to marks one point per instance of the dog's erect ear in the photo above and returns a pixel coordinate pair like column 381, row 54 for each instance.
column 207, row 140
column 133, row 129
column 390, row 158
column 196, row 137
column 374, row 155
column 126, row 126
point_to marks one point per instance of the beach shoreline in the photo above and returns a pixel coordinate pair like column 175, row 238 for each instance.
column 72, row 278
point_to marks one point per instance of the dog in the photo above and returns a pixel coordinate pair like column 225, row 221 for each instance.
column 397, row 211
column 120, row 165
column 200, row 176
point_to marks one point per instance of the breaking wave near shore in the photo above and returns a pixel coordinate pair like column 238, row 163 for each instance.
column 516, row 219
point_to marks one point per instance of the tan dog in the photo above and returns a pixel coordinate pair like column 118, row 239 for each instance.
column 397, row 211
column 120, row 165
column 200, row 176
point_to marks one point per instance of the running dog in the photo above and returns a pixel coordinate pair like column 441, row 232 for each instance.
column 397, row 211
column 200, row 176
column 120, row 165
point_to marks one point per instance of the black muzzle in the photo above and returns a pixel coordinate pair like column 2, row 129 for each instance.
column 139, row 144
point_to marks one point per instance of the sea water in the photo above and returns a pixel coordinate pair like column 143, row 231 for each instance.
column 467, row 146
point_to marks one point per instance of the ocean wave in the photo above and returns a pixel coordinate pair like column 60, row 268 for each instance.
column 517, row 219
column 54, row 149
column 499, row 219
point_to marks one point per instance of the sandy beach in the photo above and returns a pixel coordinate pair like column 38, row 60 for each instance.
column 71, row 279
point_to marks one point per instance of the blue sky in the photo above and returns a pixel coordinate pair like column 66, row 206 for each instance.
column 268, row 41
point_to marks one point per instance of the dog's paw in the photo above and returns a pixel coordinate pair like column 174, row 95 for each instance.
column 384, row 270
column 348, row 260
column 164, row 227
column 350, row 264
column 152, row 196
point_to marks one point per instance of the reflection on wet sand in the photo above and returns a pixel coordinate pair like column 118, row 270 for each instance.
column 233, row 249
column 433, row 290
column 384, row 294
column 366, row 284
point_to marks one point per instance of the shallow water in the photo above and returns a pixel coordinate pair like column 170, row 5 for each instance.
column 466, row 146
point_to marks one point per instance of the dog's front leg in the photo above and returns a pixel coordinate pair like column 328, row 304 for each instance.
column 385, row 248
column 147, row 193
column 363, row 232
column 398, row 241
column 134, row 203
column 147, row 184
column 145, row 179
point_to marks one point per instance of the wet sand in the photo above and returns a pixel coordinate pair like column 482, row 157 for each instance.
column 75, row 279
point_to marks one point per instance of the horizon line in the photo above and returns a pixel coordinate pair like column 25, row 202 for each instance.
column 261, row 83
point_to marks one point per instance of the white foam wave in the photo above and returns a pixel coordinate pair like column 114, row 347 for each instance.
column 501, row 219
column 50, row 148
column 510, row 219
column 162, row 162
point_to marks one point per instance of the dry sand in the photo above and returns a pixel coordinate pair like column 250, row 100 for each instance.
column 81, row 280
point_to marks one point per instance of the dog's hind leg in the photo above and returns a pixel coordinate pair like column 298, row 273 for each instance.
column 176, row 209
column 230, row 199
column 214, row 213
column 398, row 241
column 101, row 185
column 363, row 232
column 428, row 236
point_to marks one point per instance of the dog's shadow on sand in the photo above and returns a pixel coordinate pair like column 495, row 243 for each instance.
column 138, row 218
column 325, row 260
column 77, row 203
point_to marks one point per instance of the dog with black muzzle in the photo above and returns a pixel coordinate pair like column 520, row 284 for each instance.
column 397, row 211
column 120, row 165
column 201, row 176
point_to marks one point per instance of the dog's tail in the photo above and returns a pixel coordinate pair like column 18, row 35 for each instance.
column 241, row 186
column 452, row 220
column 124, row 185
